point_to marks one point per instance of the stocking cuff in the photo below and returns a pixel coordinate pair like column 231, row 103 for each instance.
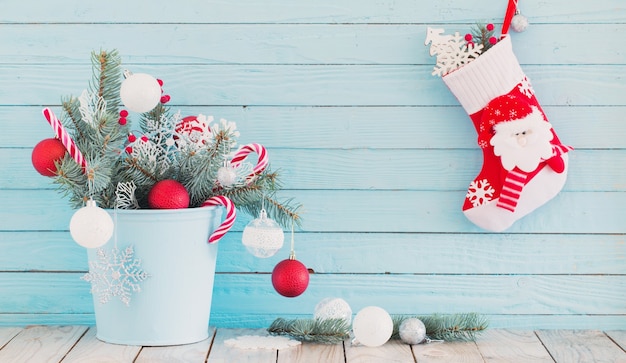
column 492, row 74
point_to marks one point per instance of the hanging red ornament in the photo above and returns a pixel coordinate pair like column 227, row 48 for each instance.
column 44, row 155
column 290, row 277
column 168, row 194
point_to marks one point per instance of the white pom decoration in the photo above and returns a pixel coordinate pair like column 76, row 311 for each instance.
column 519, row 23
column 333, row 308
column 140, row 92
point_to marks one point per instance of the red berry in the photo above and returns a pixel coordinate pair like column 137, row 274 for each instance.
column 129, row 149
column 122, row 121
column 132, row 138
column 490, row 27
column 144, row 138
column 468, row 37
column 493, row 40
column 123, row 113
column 290, row 278
column 165, row 99
column 168, row 194
column 45, row 153
column 470, row 44
column 160, row 82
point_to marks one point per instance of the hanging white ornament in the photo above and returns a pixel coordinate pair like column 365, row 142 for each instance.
column 519, row 23
column 227, row 175
column 333, row 308
column 263, row 237
column 412, row 331
column 91, row 226
column 140, row 92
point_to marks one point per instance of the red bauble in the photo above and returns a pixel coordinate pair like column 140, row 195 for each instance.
column 45, row 153
column 290, row 278
column 168, row 194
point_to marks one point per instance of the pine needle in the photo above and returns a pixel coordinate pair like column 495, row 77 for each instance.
column 326, row 331
column 453, row 327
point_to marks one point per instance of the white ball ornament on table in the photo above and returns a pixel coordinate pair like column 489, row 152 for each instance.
column 263, row 237
column 91, row 226
column 333, row 308
column 372, row 326
column 412, row 331
column 140, row 92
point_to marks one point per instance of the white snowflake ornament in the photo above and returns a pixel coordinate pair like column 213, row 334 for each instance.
column 480, row 192
column 452, row 51
column 115, row 273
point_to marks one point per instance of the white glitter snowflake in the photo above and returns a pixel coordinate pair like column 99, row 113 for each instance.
column 125, row 196
column 115, row 274
column 452, row 51
column 480, row 192
column 526, row 88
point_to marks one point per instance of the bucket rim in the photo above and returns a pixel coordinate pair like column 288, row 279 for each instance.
column 162, row 211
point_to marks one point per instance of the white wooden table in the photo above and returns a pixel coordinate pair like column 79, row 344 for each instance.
column 36, row 344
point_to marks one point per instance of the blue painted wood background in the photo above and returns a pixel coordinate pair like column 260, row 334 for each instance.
column 377, row 149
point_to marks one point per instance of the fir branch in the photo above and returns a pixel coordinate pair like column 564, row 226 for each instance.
column 324, row 331
column 453, row 327
column 480, row 35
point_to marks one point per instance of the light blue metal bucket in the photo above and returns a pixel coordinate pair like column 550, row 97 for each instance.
column 173, row 305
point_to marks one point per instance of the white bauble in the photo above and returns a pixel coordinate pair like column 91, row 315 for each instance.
column 372, row 326
column 412, row 331
column 333, row 308
column 140, row 92
column 263, row 237
column 91, row 226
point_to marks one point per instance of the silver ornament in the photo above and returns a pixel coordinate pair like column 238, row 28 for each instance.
column 412, row 331
column 519, row 23
column 333, row 308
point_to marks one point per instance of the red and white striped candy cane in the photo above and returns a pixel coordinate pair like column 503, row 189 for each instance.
column 65, row 138
column 244, row 151
column 231, row 215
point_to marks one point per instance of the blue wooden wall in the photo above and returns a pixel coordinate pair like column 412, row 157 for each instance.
column 378, row 151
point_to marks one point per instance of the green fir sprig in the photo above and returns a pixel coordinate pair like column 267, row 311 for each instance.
column 323, row 331
column 103, row 141
column 450, row 327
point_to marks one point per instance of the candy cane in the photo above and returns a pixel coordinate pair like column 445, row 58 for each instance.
column 244, row 151
column 65, row 138
column 231, row 214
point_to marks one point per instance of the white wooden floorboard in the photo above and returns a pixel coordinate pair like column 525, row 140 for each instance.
column 393, row 351
column 313, row 353
column 502, row 345
column 448, row 352
column 91, row 349
column 567, row 346
column 188, row 353
column 223, row 354
column 42, row 344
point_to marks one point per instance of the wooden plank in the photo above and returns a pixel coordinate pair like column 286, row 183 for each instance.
column 309, row 128
column 312, row 353
column 47, row 251
column 366, row 211
column 399, row 294
column 580, row 346
column 7, row 333
column 334, row 169
column 393, row 351
column 90, row 349
column 42, row 344
column 285, row 43
column 452, row 352
column 312, row 85
column 618, row 336
column 195, row 352
column 504, row 345
column 220, row 353
column 324, row 11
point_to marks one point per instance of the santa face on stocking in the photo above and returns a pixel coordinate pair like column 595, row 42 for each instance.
column 524, row 140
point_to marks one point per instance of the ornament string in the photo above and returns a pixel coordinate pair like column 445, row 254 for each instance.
column 64, row 136
column 292, row 254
